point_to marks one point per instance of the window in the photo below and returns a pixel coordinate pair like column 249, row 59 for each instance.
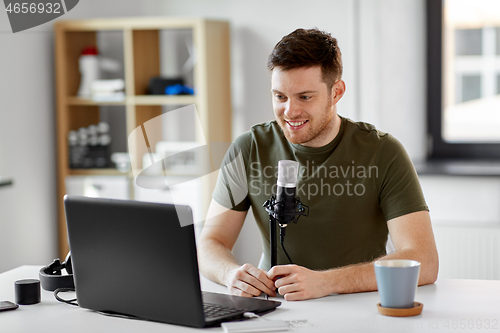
column 463, row 78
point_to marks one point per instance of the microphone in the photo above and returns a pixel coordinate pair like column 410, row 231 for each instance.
column 285, row 207
column 288, row 172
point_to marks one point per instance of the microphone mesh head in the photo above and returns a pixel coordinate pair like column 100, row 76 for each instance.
column 288, row 172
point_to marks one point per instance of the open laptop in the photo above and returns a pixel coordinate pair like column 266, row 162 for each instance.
column 133, row 258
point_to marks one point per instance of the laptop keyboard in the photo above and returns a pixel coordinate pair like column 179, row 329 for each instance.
column 214, row 311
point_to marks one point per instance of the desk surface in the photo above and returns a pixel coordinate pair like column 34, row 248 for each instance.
column 449, row 305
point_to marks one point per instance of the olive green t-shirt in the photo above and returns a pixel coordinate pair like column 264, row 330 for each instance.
column 353, row 186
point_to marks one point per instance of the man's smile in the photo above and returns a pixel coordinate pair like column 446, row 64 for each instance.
column 296, row 125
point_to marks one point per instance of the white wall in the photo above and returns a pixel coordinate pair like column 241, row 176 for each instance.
column 383, row 48
column 392, row 70
column 27, row 209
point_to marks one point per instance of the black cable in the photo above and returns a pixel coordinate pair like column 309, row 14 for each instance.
column 282, row 240
column 67, row 301
column 73, row 302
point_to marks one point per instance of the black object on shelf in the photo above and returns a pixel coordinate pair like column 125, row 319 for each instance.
column 157, row 85
column 88, row 157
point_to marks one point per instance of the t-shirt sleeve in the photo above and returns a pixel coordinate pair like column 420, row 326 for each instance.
column 400, row 190
column 231, row 188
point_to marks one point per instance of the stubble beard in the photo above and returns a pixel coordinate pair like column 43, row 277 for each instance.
column 314, row 133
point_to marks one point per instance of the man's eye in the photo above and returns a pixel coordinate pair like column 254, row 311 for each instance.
column 305, row 97
column 280, row 97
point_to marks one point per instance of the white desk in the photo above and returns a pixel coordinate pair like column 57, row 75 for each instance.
column 448, row 306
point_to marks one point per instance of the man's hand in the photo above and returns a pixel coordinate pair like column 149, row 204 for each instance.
column 248, row 280
column 298, row 283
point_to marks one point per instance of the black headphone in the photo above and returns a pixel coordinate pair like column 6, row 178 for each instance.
column 51, row 277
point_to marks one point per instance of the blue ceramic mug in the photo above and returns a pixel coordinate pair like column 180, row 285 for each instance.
column 397, row 281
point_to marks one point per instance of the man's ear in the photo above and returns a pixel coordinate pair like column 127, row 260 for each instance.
column 338, row 90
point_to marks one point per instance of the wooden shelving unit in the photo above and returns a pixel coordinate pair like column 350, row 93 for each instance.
column 142, row 55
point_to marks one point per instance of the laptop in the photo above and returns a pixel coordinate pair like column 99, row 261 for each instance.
column 134, row 259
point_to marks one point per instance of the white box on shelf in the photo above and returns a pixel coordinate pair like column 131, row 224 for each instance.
column 111, row 187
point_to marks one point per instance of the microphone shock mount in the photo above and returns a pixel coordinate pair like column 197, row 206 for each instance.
column 282, row 213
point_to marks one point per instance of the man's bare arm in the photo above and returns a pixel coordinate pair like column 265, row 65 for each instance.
column 412, row 237
column 217, row 263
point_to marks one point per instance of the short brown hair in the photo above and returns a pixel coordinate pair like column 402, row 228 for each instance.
column 308, row 48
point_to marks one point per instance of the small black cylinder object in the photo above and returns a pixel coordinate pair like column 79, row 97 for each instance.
column 27, row 291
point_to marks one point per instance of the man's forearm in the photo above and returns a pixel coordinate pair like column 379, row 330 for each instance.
column 413, row 239
column 361, row 277
column 215, row 260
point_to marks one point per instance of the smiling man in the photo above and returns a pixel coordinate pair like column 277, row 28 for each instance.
column 358, row 182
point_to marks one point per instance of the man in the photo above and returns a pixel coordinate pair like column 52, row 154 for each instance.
column 358, row 183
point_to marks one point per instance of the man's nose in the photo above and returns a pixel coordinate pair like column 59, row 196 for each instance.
column 292, row 110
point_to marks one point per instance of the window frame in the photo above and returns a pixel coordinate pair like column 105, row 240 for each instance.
column 438, row 148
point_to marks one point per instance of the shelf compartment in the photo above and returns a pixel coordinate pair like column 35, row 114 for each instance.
column 82, row 116
column 166, row 53
column 109, row 45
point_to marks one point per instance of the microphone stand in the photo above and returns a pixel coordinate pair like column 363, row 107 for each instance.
column 278, row 215
column 272, row 235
